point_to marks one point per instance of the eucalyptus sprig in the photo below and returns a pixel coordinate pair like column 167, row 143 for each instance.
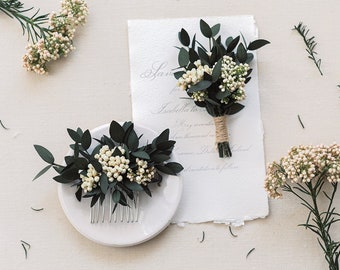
column 117, row 164
column 215, row 77
column 34, row 24
column 310, row 44
column 304, row 172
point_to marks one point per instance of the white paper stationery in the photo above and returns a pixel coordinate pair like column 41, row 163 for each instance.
column 224, row 190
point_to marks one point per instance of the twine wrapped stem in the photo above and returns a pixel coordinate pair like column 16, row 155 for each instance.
column 222, row 138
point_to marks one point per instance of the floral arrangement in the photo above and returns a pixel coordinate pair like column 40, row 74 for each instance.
column 118, row 164
column 215, row 78
column 51, row 35
column 304, row 172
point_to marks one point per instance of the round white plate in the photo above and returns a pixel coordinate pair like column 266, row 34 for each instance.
column 155, row 212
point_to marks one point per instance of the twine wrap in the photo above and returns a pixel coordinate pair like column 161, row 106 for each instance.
column 222, row 138
column 221, row 130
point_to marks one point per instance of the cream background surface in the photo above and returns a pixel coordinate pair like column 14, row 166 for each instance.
column 38, row 109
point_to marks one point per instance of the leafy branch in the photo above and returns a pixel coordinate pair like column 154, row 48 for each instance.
column 320, row 222
column 32, row 25
column 310, row 44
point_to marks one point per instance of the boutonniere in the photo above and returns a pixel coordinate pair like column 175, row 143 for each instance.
column 215, row 77
column 305, row 172
column 116, row 163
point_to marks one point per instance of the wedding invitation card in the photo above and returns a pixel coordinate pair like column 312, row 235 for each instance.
column 223, row 190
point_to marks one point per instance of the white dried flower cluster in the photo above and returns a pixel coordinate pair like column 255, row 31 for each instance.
column 193, row 76
column 304, row 164
column 40, row 53
column 199, row 95
column 91, row 179
column 59, row 43
column 113, row 166
column 143, row 174
column 234, row 77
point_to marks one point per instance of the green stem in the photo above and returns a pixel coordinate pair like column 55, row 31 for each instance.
column 328, row 244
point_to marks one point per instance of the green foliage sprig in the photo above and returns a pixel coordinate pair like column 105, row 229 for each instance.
column 33, row 25
column 215, row 77
column 310, row 44
column 304, row 172
column 93, row 172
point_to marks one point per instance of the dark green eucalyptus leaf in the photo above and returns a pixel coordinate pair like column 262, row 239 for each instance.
column 86, row 139
column 250, row 58
column 122, row 200
column 80, row 132
column 147, row 190
column 165, row 169
column 70, row 174
column 163, row 137
column 215, row 29
column 94, row 199
column 159, row 158
column 202, row 85
column 235, row 108
column 183, row 57
column 116, row 152
column 116, row 196
column 133, row 186
column 104, row 183
column 133, row 141
column 241, row 53
column 116, row 132
column 174, row 166
column 193, row 56
column 220, row 95
column 257, row 44
column 165, row 145
column 101, row 198
column 184, row 37
column 179, row 74
column 78, row 194
column 247, row 80
column 214, row 55
column 217, row 70
column 42, row 171
column 228, row 41
column 81, row 163
column 62, row 180
column 44, row 154
column 205, row 29
column 127, row 125
column 203, row 55
column 232, row 45
column 69, row 159
column 74, row 135
column 212, row 102
column 141, row 154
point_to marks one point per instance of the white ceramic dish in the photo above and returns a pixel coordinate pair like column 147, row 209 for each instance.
column 155, row 212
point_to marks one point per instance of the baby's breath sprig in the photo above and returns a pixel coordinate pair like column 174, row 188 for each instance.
column 304, row 172
column 310, row 44
column 32, row 25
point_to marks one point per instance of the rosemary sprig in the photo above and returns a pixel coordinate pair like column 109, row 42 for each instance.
column 33, row 25
column 310, row 43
